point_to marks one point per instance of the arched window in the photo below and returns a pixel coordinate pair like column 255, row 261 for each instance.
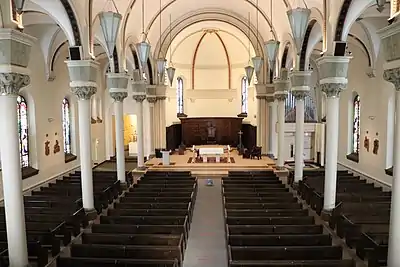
column 356, row 125
column 179, row 95
column 22, row 110
column 66, row 122
column 245, row 95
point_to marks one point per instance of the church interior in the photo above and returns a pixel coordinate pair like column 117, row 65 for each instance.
column 229, row 133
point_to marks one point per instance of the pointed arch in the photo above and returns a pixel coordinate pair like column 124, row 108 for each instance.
column 179, row 95
column 356, row 124
column 23, row 131
column 244, row 95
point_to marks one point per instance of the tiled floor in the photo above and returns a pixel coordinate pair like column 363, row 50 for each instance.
column 206, row 245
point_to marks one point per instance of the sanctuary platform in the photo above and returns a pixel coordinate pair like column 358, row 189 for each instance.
column 211, row 167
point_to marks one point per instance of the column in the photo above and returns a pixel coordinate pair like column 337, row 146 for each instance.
column 259, row 121
column 263, row 126
column 156, row 121
column 391, row 75
column 11, row 167
column 14, row 75
column 300, row 89
column 271, row 125
column 117, row 84
column 281, row 129
column 152, row 101
column 83, row 76
column 281, row 91
column 330, row 69
column 163, row 123
column 140, row 138
column 275, row 130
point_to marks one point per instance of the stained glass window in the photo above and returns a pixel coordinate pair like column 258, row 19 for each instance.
column 179, row 95
column 245, row 95
column 356, row 124
column 22, row 112
column 66, row 121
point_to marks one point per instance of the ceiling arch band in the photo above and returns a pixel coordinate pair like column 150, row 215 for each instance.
column 228, row 61
column 211, row 15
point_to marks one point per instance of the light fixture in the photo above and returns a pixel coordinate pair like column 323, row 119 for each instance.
column 109, row 22
column 271, row 48
column 249, row 73
column 19, row 6
column 170, row 70
column 249, row 70
column 298, row 20
column 161, row 62
column 143, row 48
column 381, row 5
column 257, row 60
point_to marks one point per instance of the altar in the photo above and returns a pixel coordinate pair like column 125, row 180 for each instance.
column 216, row 152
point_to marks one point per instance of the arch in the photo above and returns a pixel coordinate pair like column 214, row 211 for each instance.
column 23, row 130
column 66, row 123
column 363, row 46
column 285, row 55
column 179, row 95
column 228, row 61
column 244, row 93
column 150, row 71
column 342, row 19
column 208, row 14
column 303, row 52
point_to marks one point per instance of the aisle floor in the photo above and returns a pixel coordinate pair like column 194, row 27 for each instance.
column 207, row 245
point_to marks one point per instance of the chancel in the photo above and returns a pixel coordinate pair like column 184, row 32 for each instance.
column 216, row 133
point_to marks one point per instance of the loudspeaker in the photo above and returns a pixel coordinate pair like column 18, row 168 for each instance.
column 340, row 48
column 75, row 53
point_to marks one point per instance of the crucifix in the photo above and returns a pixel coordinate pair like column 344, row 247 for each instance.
column 240, row 146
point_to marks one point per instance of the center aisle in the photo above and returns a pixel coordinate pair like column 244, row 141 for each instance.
column 206, row 244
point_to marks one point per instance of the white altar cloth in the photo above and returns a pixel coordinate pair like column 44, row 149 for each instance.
column 216, row 152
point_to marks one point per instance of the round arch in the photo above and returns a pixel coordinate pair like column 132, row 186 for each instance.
column 220, row 15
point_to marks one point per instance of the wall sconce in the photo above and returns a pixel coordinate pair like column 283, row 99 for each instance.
column 371, row 118
column 50, row 120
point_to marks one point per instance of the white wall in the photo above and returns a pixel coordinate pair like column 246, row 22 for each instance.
column 44, row 102
column 374, row 95
column 212, row 87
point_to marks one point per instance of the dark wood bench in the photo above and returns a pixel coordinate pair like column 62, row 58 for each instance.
column 96, row 262
column 294, row 263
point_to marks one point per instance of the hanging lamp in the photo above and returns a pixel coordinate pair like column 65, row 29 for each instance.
column 298, row 20
column 381, row 5
column 109, row 22
column 143, row 48
column 19, row 6
column 170, row 70
column 257, row 60
column 249, row 70
column 161, row 62
column 271, row 47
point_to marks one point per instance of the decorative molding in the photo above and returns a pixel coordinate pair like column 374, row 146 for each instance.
column 393, row 76
column 84, row 92
column 119, row 96
column 11, row 83
column 333, row 89
column 139, row 98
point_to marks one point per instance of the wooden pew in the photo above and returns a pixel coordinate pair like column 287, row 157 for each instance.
column 96, row 262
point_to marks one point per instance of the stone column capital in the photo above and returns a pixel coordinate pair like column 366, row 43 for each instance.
column 151, row 99
column 259, row 97
column 161, row 98
column 333, row 89
column 270, row 98
column 84, row 92
column 393, row 76
column 300, row 80
column 280, row 96
column 139, row 98
column 11, row 83
column 119, row 96
column 300, row 94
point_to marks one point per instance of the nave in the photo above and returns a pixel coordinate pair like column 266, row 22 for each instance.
column 171, row 218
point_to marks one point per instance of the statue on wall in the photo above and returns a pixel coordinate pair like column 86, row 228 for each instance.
column 211, row 129
column 47, row 148
column 57, row 147
column 366, row 143
column 376, row 147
